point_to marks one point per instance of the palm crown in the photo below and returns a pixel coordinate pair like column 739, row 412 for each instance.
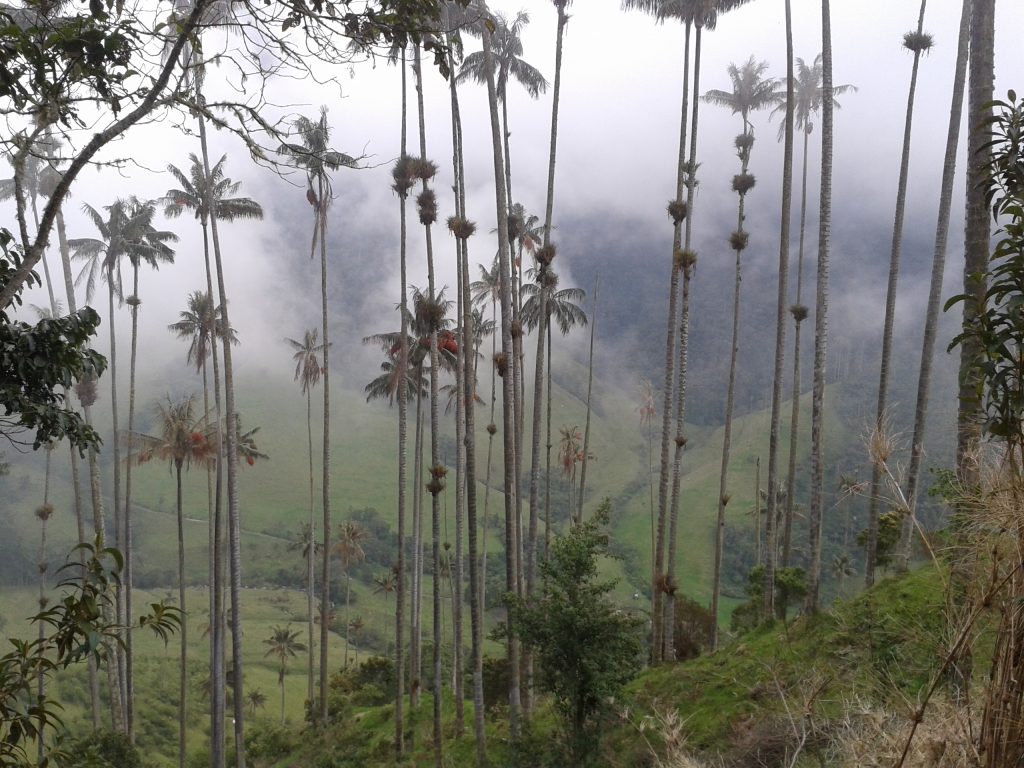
column 751, row 91
column 200, row 195
column 198, row 324
column 507, row 49
column 809, row 91
column 127, row 231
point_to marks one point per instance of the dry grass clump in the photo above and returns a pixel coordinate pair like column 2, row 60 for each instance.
column 869, row 737
column 666, row 729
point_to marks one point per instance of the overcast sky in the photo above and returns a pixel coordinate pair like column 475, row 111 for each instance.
column 622, row 84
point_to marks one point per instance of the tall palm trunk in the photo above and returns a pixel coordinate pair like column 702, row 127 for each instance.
column 44, row 515
column 687, row 259
column 310, row 558
column 403, row 432
column 938, row 269
column 799, row 313
column 821, row 318
column 96, row 496
column 507, row 384
column 128, row 671
column 325, row 573
column 113, row 669
column 183, row 658
column 436, row 483
column 977, row 234
column 416, row 625
column 657, row 593
column 590, row 393
column 890, row 311
column 234, row 519
column 730, row 397
column 218, row 628
column 768, row 587
column 465, row 389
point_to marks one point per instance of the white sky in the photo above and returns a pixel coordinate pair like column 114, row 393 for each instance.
column 617, row 153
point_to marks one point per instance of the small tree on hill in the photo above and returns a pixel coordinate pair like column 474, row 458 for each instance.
column 585, row 647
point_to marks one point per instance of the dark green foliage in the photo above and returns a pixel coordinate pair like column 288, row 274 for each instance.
column 103, row 750
column 998, row 330
column 790, row 588
column 889, row 525
column 693, row 628
column 496, row 680
column 270, row 743
column 74, row 628
column 37, row 362
column 585, row 649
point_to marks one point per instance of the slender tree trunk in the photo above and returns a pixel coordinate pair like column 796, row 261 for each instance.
column 508, row 387
column 465, row 389
column 435, row 448
column 977, row 234
column 310, row 559
column 890, row 312
column 768, row 588
column 183, row 629
column 42, row 565
column 416, row 627
column 113, row 668
column 590, row 393
column 325, row 575
column 730, row 399
column 348, row 598
column 821, row 319
column 667, row 649
column 799, row 313
column 757, row 512
column 234, row 515
column 403, row 431
column 547, row 457
column 92, row 464
column 657, row 592
column 128, row 671
column 687, row 259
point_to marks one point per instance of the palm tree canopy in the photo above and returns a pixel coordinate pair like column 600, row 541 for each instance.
column 182, row 438
column 200, row 195
column 507, row 52
column 284, row 644
column 700, row 13
column 751, row 90
column 198, row 324
column 314, row 154
column 308, row 368
column 349, row 547
column 127, row 232
column 385, row 386
column 488, row 287
column 809, row 91
column 563, row 305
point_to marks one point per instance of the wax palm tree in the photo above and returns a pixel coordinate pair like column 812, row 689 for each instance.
column 821, row 318
column 805, row 83
column 255, row 699
column 695, row 15
column 127, row 232
column 315, row 156
column 184, row 439
column 938, row 265
column 507, row 51
column 502, row 362
column 208, row 194
column 159, row 253
column 308, row 370
column 564, row 306
column 918, row 43
column 751, row 91
column 283, row 644
column 349, row 548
